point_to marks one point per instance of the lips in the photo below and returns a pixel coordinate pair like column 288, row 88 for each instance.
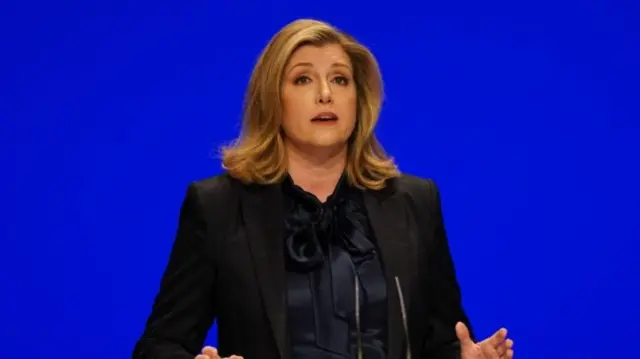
column 325, row 117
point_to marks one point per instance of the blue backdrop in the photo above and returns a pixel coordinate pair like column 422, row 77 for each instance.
column 110, row 108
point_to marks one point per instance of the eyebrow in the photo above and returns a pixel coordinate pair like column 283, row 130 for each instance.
column 308, row 64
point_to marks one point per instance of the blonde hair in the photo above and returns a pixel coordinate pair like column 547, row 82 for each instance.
column 258, row 154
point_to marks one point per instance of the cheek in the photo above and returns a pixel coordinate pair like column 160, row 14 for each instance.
column 295, row 104
column 293, row 118
column 350, row 107
column 289, row 111
column 289, row 126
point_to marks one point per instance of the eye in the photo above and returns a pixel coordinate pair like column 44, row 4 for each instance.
column 341, row 80
column 301, row 80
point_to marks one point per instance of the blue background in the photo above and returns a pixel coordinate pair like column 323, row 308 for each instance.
column 525, row 113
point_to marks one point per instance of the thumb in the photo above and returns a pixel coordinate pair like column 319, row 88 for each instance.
column 462, row 332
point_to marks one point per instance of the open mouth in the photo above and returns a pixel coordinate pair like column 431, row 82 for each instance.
column 325, row 117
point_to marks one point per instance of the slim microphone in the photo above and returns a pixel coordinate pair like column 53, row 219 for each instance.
column 404, row 317
column 358, row 335
column 403, row 311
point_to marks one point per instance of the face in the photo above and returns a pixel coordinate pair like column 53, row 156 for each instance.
column 319, row 97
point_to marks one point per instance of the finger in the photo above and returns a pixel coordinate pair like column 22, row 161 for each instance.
column 202, row 356
column 211, row 352
column 502, row 349
column 508, row 343
column 498, row 337
column 508, row 354
column 235, row 357
column 462, row 332
column 489, row 351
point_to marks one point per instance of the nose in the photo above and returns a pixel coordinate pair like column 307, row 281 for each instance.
column 324, row 94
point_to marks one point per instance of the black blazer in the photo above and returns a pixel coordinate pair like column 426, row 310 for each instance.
column 227, row 264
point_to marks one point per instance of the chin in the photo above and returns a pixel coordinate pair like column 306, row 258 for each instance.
column 328, row 142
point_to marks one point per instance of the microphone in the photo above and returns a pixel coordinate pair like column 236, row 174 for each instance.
column 403, row 312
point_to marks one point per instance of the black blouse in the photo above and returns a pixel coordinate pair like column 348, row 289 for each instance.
column 327, row 246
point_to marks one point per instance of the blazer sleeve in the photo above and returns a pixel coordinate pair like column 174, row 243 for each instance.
column 184, row 309
column 444, row 308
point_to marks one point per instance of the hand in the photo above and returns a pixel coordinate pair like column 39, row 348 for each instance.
column 212, row 353
column 496, row 346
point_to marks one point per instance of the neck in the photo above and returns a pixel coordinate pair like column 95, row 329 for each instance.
column 317, row 171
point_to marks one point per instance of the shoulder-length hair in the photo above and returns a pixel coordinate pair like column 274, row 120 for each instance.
column 258, row 154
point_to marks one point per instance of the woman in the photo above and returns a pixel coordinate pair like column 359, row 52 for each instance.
column 312, row 244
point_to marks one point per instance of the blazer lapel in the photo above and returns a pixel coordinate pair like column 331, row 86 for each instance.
column 388, row 218
column 264, row 220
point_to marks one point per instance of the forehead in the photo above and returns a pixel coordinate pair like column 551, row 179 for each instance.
column 324, row 55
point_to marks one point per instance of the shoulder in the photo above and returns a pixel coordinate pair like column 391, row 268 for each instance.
column 220, row 184
column 215, row 191
column 420, row 193
column 424, row 189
